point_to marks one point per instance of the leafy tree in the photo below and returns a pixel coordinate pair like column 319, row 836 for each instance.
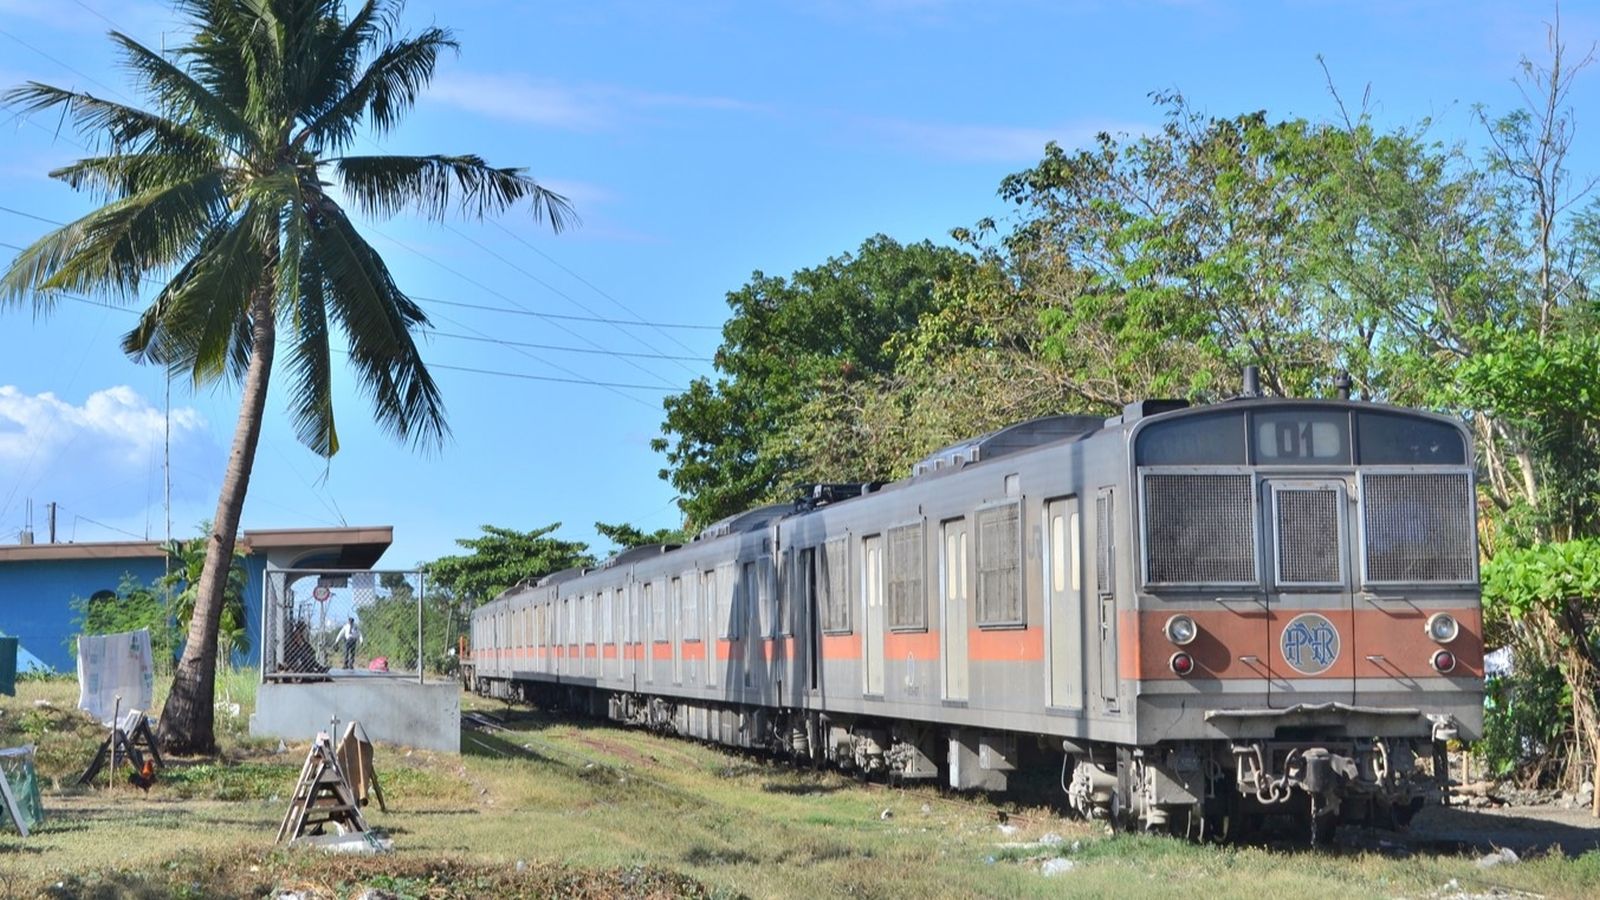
column 132, row 606
column 221, row 187
column 731, row 443
column 625, row 536
column 182, row 585
column 501, row 558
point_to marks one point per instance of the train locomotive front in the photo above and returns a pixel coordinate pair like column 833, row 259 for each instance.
column 1305, row 631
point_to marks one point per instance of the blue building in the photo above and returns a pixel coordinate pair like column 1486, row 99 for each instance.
column 38, row 581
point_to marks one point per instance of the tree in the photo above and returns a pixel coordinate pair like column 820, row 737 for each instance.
column 221, row 188
column 730, row 444
column 625, row 536
column 188, row 560
column 133, row 605
column 501, row 558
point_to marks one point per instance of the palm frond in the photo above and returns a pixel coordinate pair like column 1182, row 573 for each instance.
column 114, row 246
column 123, row 175
column 326, row 59
column 432, row 185
column 384, row 92
column 119, row 126
column 310, row 357
column 178, row 93
column 377, row 318
column 199, row 322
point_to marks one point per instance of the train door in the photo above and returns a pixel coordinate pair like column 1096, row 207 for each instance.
column 872, row 614
column 1063, row 579
column 954, row 597
column 1310, row 596
column 1105, row 577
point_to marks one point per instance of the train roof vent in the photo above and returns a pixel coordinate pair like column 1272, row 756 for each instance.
column 1010, row 439
column 750, row 520
column 634, row 554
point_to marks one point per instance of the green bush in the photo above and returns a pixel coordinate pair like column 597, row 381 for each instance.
column 1526, row 719
column 133, row 606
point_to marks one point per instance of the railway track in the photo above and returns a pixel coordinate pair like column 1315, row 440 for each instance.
column 524, row 746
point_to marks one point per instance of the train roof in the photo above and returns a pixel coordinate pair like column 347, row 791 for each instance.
column 750, row 520
column 1008, row 440
column 634, row 554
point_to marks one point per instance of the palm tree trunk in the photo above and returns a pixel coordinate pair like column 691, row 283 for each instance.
column 189, row 717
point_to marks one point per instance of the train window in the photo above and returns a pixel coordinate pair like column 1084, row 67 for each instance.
column 832, row 581
column 788, row 595
column 1199, row 529
column 691, row 609
column 1064, row 552
column 1204, row 440
column 656, row 603
column 1395, row 439
column 1000, row 566
column 908, row 602
column 1301, row 437
column 1418, row 527
column 727, row 625
column 1104, row 563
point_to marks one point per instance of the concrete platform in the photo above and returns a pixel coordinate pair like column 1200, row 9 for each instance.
column 392, row 710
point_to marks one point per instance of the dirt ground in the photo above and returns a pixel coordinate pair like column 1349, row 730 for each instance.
column 1525, row 829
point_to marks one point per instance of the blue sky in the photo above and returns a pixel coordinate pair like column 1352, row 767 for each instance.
column 700, row 141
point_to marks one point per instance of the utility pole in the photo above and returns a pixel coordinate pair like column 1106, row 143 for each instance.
column 52, row 521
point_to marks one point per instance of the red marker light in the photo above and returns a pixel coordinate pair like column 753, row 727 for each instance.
column 1182, row 663
column 1444, row 661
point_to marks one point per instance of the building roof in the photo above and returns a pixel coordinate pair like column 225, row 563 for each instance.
column 346, row 548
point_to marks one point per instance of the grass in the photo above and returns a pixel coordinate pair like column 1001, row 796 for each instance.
column 553, row 808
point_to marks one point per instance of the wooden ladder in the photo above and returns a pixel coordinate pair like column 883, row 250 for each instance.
column 322, row 795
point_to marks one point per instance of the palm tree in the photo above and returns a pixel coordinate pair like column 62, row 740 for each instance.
column 216, row 189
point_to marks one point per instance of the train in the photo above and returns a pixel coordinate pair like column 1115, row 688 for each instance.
column 1205, row 615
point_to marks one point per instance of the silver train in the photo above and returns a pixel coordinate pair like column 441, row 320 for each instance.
column 1203, row 615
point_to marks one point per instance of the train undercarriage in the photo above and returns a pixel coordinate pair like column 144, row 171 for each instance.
column 1203, row 790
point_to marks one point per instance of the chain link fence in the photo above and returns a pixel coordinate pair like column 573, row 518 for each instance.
column 320, row 624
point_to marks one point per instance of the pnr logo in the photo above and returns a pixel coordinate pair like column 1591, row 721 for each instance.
column 1310, row 644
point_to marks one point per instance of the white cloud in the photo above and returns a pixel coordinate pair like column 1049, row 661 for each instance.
column 990, row 143
column 115, row 428
column 516, row 97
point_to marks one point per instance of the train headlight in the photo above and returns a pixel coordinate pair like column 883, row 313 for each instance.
column 1443, row 627
column 1181, row 630
column 1444, row 662
column 1182, row 663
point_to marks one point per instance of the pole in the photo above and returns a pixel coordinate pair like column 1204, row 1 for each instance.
column 421, row 584
column 52, row 521
column 111, row 770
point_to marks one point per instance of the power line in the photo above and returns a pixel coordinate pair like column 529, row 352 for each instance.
column 589, row 284
column 552, row 288
column 28, row 215
column 66, row 66
column 518, row 375
column 506, row 343
column 542, row 315
column 485, row 306
column 506, row 297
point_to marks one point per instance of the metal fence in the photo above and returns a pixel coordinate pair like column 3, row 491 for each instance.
column 318, row 624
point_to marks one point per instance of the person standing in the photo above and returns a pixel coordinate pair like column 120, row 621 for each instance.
column 350, row 636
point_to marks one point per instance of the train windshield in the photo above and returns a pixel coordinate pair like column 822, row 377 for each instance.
column 1301, row 436
column 1256, row 495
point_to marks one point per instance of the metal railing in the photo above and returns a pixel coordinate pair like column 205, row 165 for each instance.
column 322, row 624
